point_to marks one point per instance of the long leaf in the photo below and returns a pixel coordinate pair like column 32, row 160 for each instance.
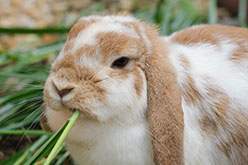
column 46, row 148
column 61, row 139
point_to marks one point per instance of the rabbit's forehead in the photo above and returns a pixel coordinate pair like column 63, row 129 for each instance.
column 100, row 43
column 90, row 34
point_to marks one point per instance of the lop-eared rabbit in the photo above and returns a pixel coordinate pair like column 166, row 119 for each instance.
column 147, row 99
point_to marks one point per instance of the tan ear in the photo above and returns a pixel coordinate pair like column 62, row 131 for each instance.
column 165, row 114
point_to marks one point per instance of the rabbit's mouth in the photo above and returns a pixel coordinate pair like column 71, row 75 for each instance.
column 85, row 113
column 73, row 110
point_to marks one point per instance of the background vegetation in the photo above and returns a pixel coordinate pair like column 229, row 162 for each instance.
column 23, row 71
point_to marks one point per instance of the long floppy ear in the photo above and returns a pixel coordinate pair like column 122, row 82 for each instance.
column 165, row 114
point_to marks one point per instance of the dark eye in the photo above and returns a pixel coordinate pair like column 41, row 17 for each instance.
column 120, row 62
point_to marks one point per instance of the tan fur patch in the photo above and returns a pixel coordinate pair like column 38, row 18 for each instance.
column 135, row 27
column 235, row 146
column 122, row 73
column 69, row 45
column 240, row 54
column 86, row 50
column 224, row 116
column 219, row 106
column 192, row 36
column 190, row 92
column 66, row 62
column 78, row 27
column 113, row 43
column 138, row 83
column 209, row 34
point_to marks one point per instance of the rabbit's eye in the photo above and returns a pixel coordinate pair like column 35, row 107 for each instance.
column 120, row 62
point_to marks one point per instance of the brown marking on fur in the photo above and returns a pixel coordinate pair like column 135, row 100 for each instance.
column 192, row 36
column 190, row 92
column 240, row 54
column 233, row 142
column 113, row 43
column 219, row 106
column 150, row 30
column 165, row 115
column 78, row 27
column 208, row 125
column 185, row 62
column 66, row 62
column 67, row 75
column 122, row 73
column 225, row 148
column 68, row 45
column 89, row 90
column 138, row 83
column 142, row 49
column 235, row 146
column 210, row 34
column 86, row 50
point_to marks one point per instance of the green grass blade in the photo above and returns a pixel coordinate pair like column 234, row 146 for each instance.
column 166, row 18
column 242, row 13
column 23, row 30
column 25, row 132
column 62, row 138
column 158, row 16
column 212, row 12
column 22, row 158
column 62, row 158
column 12, row 159
column 46, row 148
column 6, row 108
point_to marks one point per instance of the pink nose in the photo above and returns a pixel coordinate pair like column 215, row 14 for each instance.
column 64, row 92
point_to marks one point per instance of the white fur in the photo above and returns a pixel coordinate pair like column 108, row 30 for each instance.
column 212, row 61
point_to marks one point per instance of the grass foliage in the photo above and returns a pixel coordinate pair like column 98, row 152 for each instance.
column 23, row 73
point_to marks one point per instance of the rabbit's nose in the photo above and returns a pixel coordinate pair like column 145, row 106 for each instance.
column 62, row 89
column 64, row 92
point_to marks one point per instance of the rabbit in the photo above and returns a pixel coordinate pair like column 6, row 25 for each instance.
column 148, row 99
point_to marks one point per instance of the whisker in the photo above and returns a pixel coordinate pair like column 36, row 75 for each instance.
column 38, row 98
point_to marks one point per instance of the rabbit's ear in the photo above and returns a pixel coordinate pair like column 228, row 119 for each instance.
column 165, row 114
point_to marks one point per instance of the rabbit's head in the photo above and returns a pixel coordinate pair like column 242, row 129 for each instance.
column 114, row 68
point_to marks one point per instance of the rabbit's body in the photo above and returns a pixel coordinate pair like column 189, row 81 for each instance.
column 205, row 76
column 213, row 80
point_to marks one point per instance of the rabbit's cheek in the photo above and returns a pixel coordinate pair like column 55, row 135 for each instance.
column 125, row 97
column 56, row 119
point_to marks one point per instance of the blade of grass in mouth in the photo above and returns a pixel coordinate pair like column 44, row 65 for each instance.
column 62, row 138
